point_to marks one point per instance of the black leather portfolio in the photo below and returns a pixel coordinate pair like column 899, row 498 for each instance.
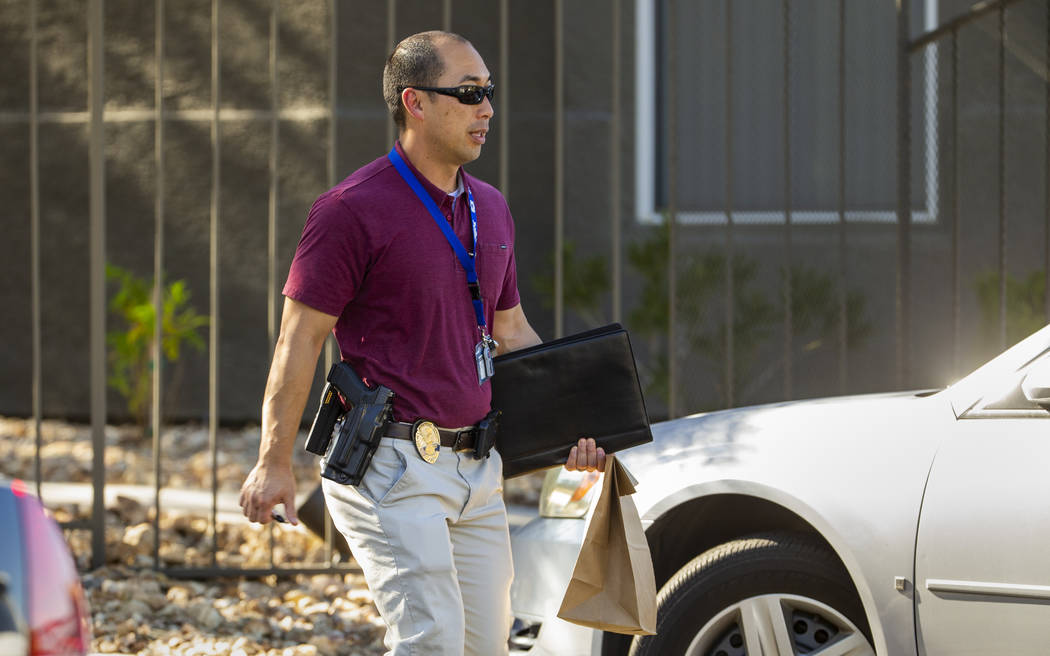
column 552, row 394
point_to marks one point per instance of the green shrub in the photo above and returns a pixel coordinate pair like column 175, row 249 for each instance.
column 758, row 313
column 131, row 347
column 1024, row 307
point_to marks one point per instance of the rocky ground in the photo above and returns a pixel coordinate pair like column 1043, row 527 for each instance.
column 144, row 612
column 137, row 610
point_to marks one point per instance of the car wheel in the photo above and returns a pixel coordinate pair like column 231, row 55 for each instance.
column 774, row 594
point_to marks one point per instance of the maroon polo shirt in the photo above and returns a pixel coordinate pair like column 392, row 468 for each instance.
column 373, row 256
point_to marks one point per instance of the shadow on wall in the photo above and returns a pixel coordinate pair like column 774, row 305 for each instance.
column 758, row 312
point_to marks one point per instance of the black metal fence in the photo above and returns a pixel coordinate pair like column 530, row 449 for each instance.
column 990, row 96
column 777, row 204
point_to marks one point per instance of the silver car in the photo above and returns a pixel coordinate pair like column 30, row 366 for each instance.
column 891, row 524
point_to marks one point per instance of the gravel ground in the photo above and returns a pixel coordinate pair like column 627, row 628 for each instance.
column 136, row 610
column 144, row 612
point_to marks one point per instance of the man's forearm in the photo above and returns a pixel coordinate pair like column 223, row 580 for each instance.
column 524, row 338
column 287, row 388
column 512, row 330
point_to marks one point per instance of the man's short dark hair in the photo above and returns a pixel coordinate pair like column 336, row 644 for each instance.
column 414, row 62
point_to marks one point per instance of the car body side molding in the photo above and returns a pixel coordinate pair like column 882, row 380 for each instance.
column 983, row 588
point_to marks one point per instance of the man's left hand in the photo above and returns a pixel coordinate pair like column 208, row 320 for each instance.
column 586, row 456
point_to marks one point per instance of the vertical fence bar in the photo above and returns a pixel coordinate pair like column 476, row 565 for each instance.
column 615, row 163
column 333, row 115
column 670, row 25
column 956, row 232
column 97, row 240
column 559, row 168
column 333, row 133
column 504, row 94
column 903, row 286
column 1002, row 177
column 843, row 313
column 446, row 16
column 271, row 223
column 213, row 325
column 158, row 266
column 788, row 319
column 391, row 39
column 333, row 62
column 271, row 250
column 730, row 364
column 34, row 239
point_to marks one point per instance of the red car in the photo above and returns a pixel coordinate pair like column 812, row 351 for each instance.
column 42, row 606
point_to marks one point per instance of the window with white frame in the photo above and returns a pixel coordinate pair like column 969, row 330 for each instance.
column 752, row 186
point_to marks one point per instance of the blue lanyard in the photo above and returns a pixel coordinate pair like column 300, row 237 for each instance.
column 465, row 258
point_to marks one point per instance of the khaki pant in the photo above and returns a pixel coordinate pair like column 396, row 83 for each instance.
column 433, row 542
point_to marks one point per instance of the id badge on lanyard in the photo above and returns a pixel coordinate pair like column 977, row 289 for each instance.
column 483, row 357
column 484, row 349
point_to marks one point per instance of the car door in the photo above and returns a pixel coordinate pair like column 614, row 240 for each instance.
column 982, row 567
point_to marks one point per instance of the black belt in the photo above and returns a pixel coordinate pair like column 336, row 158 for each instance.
column 457, row 439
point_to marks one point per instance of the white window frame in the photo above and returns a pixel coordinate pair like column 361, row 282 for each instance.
column 645, row 142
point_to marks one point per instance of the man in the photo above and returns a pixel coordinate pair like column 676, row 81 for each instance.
column 374, row 265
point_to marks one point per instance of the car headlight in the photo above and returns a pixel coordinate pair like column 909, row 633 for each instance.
column 568, row 493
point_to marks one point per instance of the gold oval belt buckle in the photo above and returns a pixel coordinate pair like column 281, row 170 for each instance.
column 428, row 440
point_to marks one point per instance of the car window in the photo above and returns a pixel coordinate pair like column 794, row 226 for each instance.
column 12, row 561
column 8, row 617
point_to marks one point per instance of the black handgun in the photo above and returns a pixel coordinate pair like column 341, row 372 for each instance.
column 346, row 453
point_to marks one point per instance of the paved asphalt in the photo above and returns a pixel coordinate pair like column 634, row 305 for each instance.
column 198, row 501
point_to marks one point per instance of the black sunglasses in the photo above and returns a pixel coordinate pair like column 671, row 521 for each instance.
column 468, row 94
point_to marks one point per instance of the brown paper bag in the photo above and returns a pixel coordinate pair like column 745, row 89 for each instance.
column 612, row 586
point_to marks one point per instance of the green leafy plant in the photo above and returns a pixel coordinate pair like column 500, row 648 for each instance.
column 758, row 310
column 754, row 318
column 650, row 318
column 131, row 347
column 1024, row 306
column 815, row 322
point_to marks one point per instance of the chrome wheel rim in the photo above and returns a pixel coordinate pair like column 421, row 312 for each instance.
column 779, row 625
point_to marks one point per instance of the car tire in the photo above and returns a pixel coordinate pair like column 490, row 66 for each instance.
column 773, row 593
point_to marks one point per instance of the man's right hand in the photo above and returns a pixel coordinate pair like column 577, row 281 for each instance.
column 270, row 482
column 266, row 486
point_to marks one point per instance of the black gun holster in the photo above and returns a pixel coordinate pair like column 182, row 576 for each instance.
column 347, row 452
column 485, row 434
